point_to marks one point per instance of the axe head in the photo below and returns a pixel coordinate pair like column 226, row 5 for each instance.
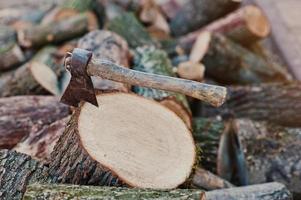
column 80, row 87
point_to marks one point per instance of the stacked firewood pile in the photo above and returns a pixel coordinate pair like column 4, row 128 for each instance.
column 146, row 143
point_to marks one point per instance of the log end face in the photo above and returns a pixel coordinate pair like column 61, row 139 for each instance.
column 140, row 151
column 257, row 22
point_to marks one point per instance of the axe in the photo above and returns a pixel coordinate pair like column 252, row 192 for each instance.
column 81, row 65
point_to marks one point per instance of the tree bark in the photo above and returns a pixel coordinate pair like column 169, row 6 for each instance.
column 245, row 26
column 278, row 103
column 197, row 13
column 208, row 181
column 222, row 152
column 57, row 31
column 40, row 144
column 23, row 115
column 38, row 191
column 272, row 153
column 230, row 63
column 151, row 60
column 16, row 172
column 123, row 162
column 38, row 76
column 267, row 191
column 10, row 52
column 136, row 35
column 108, row 45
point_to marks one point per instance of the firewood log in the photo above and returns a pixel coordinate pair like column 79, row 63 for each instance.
column 38, row 76
column 10, row 52
column 245, row 26
column 206, row 180
column 50, row 191
column 68, row 8
column 40, row 144
column 109, row 146
column 221, row 149
column 230, row 63
column 57, row 31
column 272, row 153
column 16, row 172
column 278, row 103
column 108, row 45
column 197, row 13
column 152, row 60
column 22, row 115
column 136, row 35
column 268, row 191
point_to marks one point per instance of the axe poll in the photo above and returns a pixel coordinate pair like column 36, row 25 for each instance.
column 81, row 65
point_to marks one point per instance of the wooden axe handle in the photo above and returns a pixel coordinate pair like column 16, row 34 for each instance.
column 215, row 95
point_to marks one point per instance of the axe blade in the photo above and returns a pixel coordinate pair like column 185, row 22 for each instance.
column 80, row 87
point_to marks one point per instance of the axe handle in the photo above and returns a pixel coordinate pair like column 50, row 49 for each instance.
column 215, row 95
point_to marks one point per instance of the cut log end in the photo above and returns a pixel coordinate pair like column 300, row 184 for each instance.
column 127, row 143
column 256, row 21
column 190, row 70
column 117, row 136
column 45, row 77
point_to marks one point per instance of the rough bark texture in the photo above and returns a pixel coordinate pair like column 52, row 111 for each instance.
column 197, row 13
column 16, row 172
column 20, row 116
column 37, row 191
column 245, row 26
column 273, row 153
column 207, row 180
column 57, row 31
column 70, row 162
column 136, row 35
column 108, row 45
column 151, row 60
column 22, row 81
column 40, row 144
column 267, row 191
column 230, row 63
column 221, row 149
column 10, row 52
column 278, row 103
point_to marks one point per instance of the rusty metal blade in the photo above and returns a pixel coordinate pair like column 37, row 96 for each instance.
column 80, row 87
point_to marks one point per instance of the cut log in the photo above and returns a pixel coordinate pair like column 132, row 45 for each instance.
column 38, row 76
column 208, row 181
column 267, row 191
column 272, row 153
column 190, row 70
column 110, row 145
column 20, row 116
column 108, row 45
column 221, row 149
column 278, row 103
column 57, row 31
column 230, row 63
column 40, row 144
column 197, row 13
column 136, row 35
column 49, row 191
column 66, row 9
column 10, row 52
column 152, row 60
column 16, row 172
column 245, row 26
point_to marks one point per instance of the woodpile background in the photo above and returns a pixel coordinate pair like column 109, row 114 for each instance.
column 144, row 143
